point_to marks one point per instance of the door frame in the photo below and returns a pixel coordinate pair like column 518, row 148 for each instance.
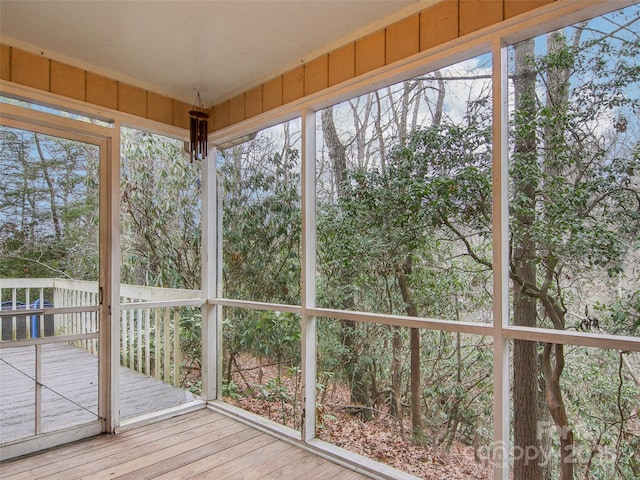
column 104, row 137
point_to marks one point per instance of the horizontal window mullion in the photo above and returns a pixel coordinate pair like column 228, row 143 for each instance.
column 405, row 321
column 276, row 307
column 585, row 339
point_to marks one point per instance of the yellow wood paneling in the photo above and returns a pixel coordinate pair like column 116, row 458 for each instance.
column 316, row 75
column 210, row 122
column 272, row 94
column 439, row 24
column 221, row 116
column 342, row 64
column 60, row 78
column 236, row 109
column 132, row 100
column 477, row 14
column 181, row 113
column 516, row 7
column 370, row 52
column 30, row 69
column 159, row 108
column 293, row 85
column 403, row 39
column 102, row 91
column 435, row 25
column 253, row 102
column 68, row 81
column 5, row 62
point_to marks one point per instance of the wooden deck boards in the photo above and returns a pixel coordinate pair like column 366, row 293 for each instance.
column 73, row 374
column 203, row 445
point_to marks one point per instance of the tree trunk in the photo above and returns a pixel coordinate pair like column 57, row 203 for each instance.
column 358, row 385
column 545, row 435
column 416, row 392
column 555, row 402
column 396, row 378
column 337, row 151
column 525, row 368
column 557, row 102
column 51, row 189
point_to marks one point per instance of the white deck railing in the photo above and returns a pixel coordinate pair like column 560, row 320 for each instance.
column 149, row 319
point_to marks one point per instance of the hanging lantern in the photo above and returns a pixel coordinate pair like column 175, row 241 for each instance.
column 198, row 129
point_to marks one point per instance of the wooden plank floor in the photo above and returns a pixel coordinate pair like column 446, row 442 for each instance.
column 201, row 444
column 72, row 374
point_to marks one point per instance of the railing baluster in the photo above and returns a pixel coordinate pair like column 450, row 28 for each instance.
column 27, row 320
column 123, row 335
column 57, row 302
column 14, row 320
column 166, row 344
column 41, row 317
column 94, row 318
column 65, row 317
column 156, row 344
column 176, row 347
column 139, row 338
column 85, row 320
column 76, row 328
column 69, row 316
column 132, row 339
column 145, row 315
column 90, row 321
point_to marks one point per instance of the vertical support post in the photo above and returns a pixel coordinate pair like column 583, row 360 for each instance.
column 308, row 326
column 38, row 390
column 109, row 284
column 219, row 285
column 500, row 171
column 211, row 323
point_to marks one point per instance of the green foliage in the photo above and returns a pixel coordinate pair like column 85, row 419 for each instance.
column 191, row 337
column 230, row 390
column 606, row 416
column 262, row 222
column 270, row 335
column 49, row 205
column 161, row 212
column 623, row 313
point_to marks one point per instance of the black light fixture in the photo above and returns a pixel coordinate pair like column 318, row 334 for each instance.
column 198, row 129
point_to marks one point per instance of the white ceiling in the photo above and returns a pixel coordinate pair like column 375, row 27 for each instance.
column 177, row 47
